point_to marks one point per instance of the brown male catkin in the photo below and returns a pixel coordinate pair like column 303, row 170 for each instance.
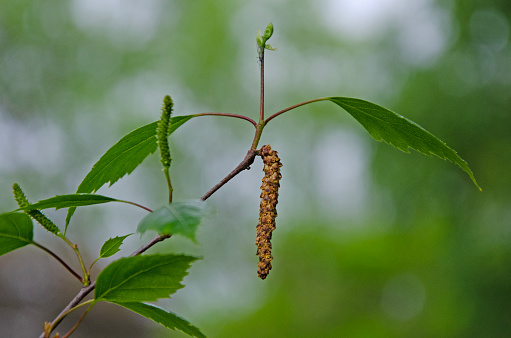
column 268, row 209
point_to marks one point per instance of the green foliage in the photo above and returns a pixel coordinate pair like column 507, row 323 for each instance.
column 123, row 157
column 71, row 200
column 112, row 246
column 131, row 281
column 16, row 231
column 142, row 278
column 160, row 316
column 385, row 125
column 181, row 218
column 261, row 39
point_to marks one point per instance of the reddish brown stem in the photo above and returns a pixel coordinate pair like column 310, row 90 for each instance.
column 78, row 322
column 229, row 115
column 245, row 164
column 293, row 107
column 261, row 100
column 51, row 253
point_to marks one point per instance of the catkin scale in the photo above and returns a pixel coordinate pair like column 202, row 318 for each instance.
column 268, row 209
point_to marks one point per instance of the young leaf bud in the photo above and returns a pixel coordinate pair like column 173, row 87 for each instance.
column 268, row 209
column 259, row 39
column 268, row 32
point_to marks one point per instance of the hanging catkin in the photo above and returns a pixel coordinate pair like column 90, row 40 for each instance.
column 268, row 209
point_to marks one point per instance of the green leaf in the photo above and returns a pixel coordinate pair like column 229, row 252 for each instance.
column 16, row 231
column 71, row 200
column 142, row 278
column 112, row 246
column 385, row 125
column 123, row 157
column 160, row 316
column 269, row 47
column 176, row 218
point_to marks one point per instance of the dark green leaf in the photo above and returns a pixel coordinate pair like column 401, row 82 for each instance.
column 142, row 278
column 385, row 125
column 112, row 246
column 160, row 316
column 123, row 157
column 16, row 231
column 176, row 218
column 71, row 200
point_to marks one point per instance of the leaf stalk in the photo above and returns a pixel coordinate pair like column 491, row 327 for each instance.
column 51, row 253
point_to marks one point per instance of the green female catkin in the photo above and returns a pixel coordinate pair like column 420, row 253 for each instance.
column 41, row 218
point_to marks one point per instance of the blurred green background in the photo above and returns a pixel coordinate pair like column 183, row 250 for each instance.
column 370, row 241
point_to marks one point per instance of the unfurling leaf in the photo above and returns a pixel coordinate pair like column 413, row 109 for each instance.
column 385, row 125
column 112, row 246
column 268, row 32
column 142, row 278
column 269, row 47
column 160, row 316
column 16, row 231
column 176, row 218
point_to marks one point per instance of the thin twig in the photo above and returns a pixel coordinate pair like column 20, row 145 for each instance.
column 78, row 298
column 244, row 165
column 78, row 322
column 86, row 278
column 156, row 239
column 229, row 115
column 136, row 204
column 169, row 183
column 261, row 100
column 293, row 107
column 260, row 125
column 59, row 260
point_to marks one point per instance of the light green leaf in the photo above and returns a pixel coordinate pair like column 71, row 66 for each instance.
column 176, row 218
column 123, row 157
column 142, row 278
column 71, row 200
column 112, row 246
column 269, row 47
column 16, row 231
column 385, row 125
column 160, row 316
